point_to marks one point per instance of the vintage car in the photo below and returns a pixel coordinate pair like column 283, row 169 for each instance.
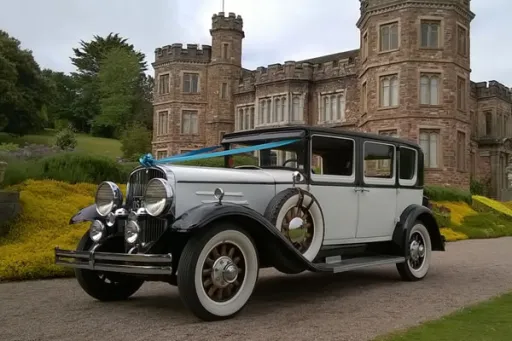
column 316, row 199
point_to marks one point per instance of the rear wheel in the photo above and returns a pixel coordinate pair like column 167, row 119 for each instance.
column 217, row 272
column 417, row 263
column 105, row 286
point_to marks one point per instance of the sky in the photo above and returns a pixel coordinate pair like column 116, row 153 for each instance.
column 275, row 30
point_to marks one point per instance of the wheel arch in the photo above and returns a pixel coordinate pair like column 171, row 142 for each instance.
column 407, row 220
column 266, row 237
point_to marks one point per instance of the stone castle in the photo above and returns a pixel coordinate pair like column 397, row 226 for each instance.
column 409, row 78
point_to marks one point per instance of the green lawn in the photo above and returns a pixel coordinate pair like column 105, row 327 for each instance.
column 87, row 144
column 488, row 321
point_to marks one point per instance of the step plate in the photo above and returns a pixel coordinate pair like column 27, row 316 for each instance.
column 358, row 263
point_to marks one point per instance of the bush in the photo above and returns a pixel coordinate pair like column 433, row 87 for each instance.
column 8, row 147
column 437, row 193
column 486, row 225
column 484, row 204
column 135, row 141
column 442, row 215
column 76, row 168
column 27, row 251
column 65, row 139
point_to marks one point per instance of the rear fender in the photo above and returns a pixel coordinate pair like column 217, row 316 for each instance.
column 88, row 213
column 265, row 235
column 407, row 219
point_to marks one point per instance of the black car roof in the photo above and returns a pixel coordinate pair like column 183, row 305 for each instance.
column 309, row 130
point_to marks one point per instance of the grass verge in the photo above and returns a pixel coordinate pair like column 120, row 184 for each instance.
column 487, row 321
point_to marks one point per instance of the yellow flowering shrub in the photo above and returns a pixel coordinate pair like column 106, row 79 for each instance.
column 26, row 252
column 452, row 235
column 481, row 203
column 458, row 211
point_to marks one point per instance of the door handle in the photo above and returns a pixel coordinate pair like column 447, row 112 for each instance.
column 361, row 190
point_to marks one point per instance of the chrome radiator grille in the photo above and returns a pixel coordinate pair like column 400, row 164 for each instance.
column 152, row 228
column 137, row 185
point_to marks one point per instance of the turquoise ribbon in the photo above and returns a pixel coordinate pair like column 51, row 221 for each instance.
column 148, row 160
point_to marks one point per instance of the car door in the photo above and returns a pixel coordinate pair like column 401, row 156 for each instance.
column 377, row 191
column 333, row 185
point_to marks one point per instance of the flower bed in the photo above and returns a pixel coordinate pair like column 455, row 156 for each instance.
column 27, row 251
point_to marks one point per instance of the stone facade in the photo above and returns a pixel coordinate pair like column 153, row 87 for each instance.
column 410, row 78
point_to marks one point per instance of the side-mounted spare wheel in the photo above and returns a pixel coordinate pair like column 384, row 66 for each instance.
column 297, row 214
column 105, row 286
column 217, row 271
column 419, row 251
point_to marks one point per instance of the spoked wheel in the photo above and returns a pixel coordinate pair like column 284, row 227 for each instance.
column 217, row 272
column 420, row 249
column 105, row 286
column 298, row 216
column 297, row 226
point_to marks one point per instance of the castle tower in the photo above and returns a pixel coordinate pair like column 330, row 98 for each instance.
column 224, row 72
column 415, row 79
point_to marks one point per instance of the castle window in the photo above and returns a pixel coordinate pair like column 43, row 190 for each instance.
column 245, row 118
column 225, row 49
column 429, row 142
column 162, row 123
column 190, row 82
column 160, row 154
column 364, row 97
column 364, row 46
column 296, row 112
column 461, row 93
column 164, row 84
column 429, row 89
column 389, row 37
column 462, row 40
column 461, row 151
column 430, row 33
column 389, row 90
column 268, row 108
column 332, row 108
column 488, row 123
column 224, row 91
column 474, row 123
column 189, row 122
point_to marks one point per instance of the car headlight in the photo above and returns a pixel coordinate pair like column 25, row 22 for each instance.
column 158, row 197
column 96, row 231
column 108, row 197
column 131, row 231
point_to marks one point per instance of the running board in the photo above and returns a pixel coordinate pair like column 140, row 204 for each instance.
column 357, row 263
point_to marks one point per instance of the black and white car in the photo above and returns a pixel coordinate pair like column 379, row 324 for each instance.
column 316, row 199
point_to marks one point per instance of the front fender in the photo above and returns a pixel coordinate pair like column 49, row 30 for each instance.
column 85, row 214
column 407, row 219
column 268, row 239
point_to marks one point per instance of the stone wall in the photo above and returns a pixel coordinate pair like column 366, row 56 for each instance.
column 10, row 207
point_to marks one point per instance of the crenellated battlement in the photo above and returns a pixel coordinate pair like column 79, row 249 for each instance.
column 231, row 22
column 491, row 89
column 176, row 52
column 292, row 70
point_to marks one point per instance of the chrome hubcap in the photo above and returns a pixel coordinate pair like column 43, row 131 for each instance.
column 224, row 272
column 417, row 251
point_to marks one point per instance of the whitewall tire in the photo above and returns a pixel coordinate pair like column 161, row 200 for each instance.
column 308, row 239
column 217, row 272
column 417, row 263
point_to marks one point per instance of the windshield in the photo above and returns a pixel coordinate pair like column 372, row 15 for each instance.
column 290, row 156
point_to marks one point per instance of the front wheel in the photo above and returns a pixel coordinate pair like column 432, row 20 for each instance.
column 417, row 263
column 217, row 272
column 105, row 286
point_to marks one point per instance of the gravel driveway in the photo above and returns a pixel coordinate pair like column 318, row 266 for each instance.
column 358, row 305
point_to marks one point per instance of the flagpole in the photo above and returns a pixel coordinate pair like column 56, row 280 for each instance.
column 222, row 5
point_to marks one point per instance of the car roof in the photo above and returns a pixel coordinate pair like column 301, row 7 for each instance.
column 310, row 130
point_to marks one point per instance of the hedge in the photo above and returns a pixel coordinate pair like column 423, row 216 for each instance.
column 73, row 167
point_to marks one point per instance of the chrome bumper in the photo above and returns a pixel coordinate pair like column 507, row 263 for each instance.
column 115, row 262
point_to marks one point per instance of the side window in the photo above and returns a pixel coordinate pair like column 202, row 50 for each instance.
column 332, row 156
column 379, row 160
column 408, row 166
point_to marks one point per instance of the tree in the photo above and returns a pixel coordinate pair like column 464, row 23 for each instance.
column 135, row 141
column 61, row 105
column 24, row 91
column 119, row 78
column 88, row 60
